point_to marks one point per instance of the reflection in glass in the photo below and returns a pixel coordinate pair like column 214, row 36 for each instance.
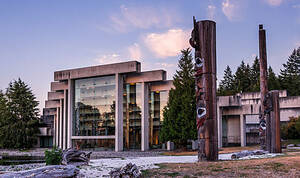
column 132, row 101
column 157, row 101
column 97, row 144
column 94, row 109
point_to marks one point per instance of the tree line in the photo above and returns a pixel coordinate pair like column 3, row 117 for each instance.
column 19, row 116
column 246, row 78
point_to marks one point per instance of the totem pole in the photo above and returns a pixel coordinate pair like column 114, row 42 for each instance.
column 263, row 87
column 270, row 110
column 204, row 41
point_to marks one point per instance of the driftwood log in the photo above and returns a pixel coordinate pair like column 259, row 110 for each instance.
column 247, row 153
column 45, row 172
column 130, row 171
column 74, row 156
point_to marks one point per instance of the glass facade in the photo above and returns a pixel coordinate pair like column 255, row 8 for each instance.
column 157, row 101
column 96, row 144
column 94, row 106
column 132, row 105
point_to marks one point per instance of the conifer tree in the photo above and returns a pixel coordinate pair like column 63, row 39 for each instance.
column 226, row 86
column 4, row 124
column 255, row 76
column 273, row 81
column 290, row 74
column 21, row 126
column 242, row 79
column 179, row 123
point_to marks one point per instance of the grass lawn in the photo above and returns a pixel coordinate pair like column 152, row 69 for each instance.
column 287, row 165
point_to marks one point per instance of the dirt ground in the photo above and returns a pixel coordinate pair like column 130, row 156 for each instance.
column 287, row 165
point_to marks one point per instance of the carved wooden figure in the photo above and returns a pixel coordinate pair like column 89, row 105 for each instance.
column 204, row 41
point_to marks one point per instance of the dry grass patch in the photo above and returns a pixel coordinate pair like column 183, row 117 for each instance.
column 283, row 166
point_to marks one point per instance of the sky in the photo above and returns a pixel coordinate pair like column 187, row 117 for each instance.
column 38, row 37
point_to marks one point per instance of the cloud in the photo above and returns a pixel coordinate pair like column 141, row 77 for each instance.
column 296, row 6
column 169, row 43
column 135, row 52
column 274, row 2
column 297, row 44
column 108, row 58
column 142, row 17
column 211, row 11
column 166, row 65
column 231, row 9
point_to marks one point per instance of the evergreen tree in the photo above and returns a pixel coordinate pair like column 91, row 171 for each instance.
column 21, row 126
column 273, row 81
column 255, row 76
column 226, row 86
column 290, row 74
column 179, row 123
column 242, row 78
column 4, row 124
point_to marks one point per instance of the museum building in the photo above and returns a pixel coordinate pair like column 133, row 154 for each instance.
column 108, row 107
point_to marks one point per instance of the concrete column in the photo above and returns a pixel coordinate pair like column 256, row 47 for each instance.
column 65, row 117
column 219, row 119
column 56, row 127
column 119, row 113
column 60, row 145
column 145, row 117
column 243, row 130
column 70, row 112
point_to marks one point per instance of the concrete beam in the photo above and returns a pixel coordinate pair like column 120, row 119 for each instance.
column 162, row 86
column 52, row 104
column 234, row 100
column 93, row 137
column 52, row 95
column 49, row 111
column 145, row 117
column 149, row 76
column 109, row 69
column 59, row 86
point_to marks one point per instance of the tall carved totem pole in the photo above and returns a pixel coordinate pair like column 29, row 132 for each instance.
column 204, row 41
column 270, row 110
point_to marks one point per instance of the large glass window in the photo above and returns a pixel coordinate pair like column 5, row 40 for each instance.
column 157, row 101
column 132, row 105
column 94, row 107
column 95, row 144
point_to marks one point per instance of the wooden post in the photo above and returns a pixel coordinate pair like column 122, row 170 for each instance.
column 270, row 110
column 275, row 123
column 264, row 123
column 204, row 41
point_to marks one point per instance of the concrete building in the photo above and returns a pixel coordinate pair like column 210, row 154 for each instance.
column 238, row 116
column 45, row 138
column 114, row 106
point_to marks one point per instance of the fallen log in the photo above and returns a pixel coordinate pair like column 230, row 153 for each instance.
column 130, row 170
column 247, row 153
column 45, row 172
column 74, row 156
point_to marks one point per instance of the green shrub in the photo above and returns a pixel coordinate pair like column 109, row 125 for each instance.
column 53, row 157
column 291, row 129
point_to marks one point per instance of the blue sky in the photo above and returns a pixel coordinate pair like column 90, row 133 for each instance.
column 38, row 37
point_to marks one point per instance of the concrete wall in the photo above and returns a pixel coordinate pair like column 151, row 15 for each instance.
column 247, row 105
column 233, row 131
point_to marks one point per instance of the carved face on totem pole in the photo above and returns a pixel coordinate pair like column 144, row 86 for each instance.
column 199, row 61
